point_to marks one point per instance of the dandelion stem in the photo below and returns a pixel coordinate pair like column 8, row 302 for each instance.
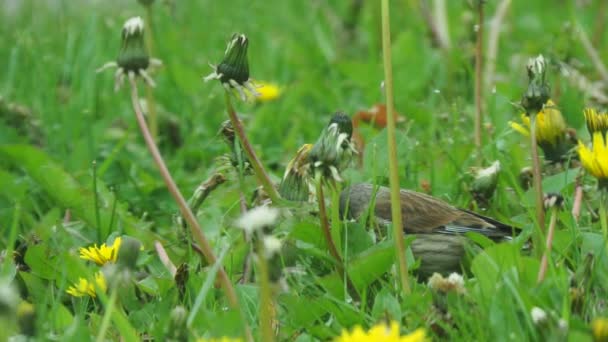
column 105, row 322
column 544, row 263
column 536, row 175
column 259, row 170
column 266, row 303
column 330, row 241
column 185, row 211
column 148, row 39
column 392, row 150
column 478, row 80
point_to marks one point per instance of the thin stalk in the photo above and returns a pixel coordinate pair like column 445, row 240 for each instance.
column 544, row 263
column 392, row 151
column 184, row 209
column 266, row 304
column 330, row 242
column 105, row 322
column 478, row 82
column 602, row 210
column 100, row 236
column 536, row 175
column 148, row 39
column 259, row 170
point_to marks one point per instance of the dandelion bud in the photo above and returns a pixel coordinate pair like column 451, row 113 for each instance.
column 133, row 55
column 133, row 59
column 177, row 329
column 596, row 122
column 333, row 151
column 128, row 252
column 296, row 184
column 485, row 181
column 538, row 91
column 525, row 177
column 233, row 71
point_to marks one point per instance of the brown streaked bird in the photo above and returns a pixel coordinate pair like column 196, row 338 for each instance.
column 438, row 226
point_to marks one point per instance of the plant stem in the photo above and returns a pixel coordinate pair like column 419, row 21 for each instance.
column 266, row 304
column 392, row 150
column 148, row 40
column 544, row 263
column 536, row 175
column 105, row 322
column 185, row 211
column 259, row 170
column 330, row 242
column 478, row 80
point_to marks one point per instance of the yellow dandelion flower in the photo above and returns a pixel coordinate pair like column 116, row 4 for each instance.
column 550, row 125
column 85, row 287
column 599, row 327
column 596, row 122
column 595, row 159
column 103, row 254
column 266, row 92
column 219, row 339
column 381, row 332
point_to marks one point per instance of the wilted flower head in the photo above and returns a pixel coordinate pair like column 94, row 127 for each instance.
column 485, row 181
column 595, row 159
column 538, row 315
column 272, row 245
column 257, row 218
column 553, row 200
column 103, row 254
column 237, row 158
column 85, row 287
column 233, row 70
column 296, row 184
column 453, row 283
column 333, row 151
column 538, row 91
column 381, row 332
column 550, row 131
column 128, row 252
column 133, row 59
column 596, row 122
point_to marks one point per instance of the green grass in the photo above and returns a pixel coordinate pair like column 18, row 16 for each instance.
column 50, row 50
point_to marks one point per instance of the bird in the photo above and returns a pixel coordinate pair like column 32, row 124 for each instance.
column 439, row 227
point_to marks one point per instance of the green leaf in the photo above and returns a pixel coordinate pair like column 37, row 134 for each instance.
column 68, row 192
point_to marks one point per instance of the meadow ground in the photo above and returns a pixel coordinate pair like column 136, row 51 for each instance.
column 75, row 171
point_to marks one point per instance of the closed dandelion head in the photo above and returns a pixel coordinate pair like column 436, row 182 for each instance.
column 133, row 59
column 333, row 151
column 296, row 184
column 596, row 121
column 538, row 90
column 233, row 70
column 86, row 287
column 102, row 254
column 551, row 131
column 485, row 181
column 595, row 158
